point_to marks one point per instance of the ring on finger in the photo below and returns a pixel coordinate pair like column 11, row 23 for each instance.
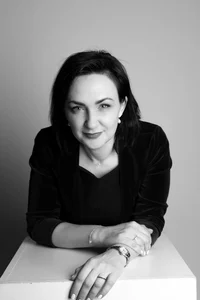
column 101, row 277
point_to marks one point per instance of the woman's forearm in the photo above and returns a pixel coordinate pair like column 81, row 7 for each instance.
column 68, row 235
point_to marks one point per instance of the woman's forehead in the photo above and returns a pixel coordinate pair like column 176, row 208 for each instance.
column 92, row 87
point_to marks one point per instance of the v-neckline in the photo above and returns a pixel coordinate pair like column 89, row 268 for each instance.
column 98, row 178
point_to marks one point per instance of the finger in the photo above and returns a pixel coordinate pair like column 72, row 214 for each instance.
column 111, row 279
column 73, row 276
column 140, row 228
column 78, row 281
column 133, row 245
column 90, row 286
column 149, row 229
column 149, row 244
column 144, row 237
column 139, row 241
column 150, row 233
column 97, row 287
column 144, row 247
column 146, row 250
column 149, row 247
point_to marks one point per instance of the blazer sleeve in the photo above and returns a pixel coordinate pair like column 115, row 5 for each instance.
column 151, row 202
column 43, row 200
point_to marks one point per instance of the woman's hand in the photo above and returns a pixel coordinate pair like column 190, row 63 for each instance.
column 131, row 233
column 97, row 276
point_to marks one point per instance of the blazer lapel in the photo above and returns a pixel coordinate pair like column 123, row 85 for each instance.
column 66, row 171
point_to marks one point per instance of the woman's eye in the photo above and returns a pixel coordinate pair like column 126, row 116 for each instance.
column 105, row 105
column 76, row 108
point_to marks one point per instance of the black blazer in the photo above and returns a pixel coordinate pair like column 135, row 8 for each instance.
column 53, row 186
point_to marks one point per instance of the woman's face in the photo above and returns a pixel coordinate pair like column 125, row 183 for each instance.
column 93, row 109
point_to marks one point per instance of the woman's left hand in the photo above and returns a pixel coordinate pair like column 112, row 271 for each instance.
column 97, row 276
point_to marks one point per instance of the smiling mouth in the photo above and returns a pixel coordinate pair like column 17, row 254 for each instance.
column 92, row 135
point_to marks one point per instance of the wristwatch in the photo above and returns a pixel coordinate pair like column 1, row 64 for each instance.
column 122, row 251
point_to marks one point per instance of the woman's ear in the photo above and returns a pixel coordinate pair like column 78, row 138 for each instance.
column 123, row 106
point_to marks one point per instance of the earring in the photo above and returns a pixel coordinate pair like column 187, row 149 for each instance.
column 119, row 121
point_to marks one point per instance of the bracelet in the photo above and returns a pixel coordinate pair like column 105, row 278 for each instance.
column 90, row 241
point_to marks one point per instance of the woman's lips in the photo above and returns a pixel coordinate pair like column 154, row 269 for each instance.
column 92, row 135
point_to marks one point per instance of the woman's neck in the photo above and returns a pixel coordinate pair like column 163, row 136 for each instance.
column 100, row 155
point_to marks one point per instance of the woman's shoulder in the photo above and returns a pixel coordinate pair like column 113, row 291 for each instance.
column 45, row 139
column 55, row 143
column 147, row 127
column 48, row 150
column 42, row 148
column 151, row 130
column 45, row 134
column 48, row 136
column 151, row 136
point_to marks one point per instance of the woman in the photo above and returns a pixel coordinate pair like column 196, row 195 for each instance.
column 99, row 175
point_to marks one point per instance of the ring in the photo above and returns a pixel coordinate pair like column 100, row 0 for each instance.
column 101, row 277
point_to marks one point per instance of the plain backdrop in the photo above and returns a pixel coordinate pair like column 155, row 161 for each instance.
column 159, row 44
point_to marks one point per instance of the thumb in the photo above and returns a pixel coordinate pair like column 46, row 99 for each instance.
column 73, row 276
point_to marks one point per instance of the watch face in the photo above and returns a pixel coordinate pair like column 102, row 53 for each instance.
column 124, row 251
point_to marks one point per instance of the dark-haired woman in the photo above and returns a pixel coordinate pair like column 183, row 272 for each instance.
column 99, row 175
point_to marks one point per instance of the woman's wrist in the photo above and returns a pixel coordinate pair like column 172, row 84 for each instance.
column 120, row 259
column 93, row 238
column 99, row 236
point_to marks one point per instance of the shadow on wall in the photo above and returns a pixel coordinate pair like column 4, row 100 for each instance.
column 13, row 208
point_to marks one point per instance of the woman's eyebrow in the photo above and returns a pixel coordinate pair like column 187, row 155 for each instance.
column 97, row 102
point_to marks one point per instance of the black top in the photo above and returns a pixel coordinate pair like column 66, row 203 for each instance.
column 56, row 186
column 101, row 197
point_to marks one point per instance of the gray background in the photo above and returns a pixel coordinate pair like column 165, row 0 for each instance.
column 159, row 44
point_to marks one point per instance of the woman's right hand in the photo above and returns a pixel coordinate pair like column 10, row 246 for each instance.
column 132, row 234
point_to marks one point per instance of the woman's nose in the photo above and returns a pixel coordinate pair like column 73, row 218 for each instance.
column 91, row 120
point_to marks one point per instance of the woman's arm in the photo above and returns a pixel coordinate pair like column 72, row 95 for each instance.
column 68, row 235
column 151, row 203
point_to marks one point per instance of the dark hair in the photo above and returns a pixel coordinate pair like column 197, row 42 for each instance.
column 89, row 62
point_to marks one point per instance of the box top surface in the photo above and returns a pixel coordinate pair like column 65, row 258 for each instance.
column 36, row 263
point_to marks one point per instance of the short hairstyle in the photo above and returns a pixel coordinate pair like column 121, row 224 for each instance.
column 95, row 62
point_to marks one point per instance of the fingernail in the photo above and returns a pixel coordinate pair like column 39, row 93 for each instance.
column 147, row 252
column 142, row 252
column 73, row 297
column 100, row 296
